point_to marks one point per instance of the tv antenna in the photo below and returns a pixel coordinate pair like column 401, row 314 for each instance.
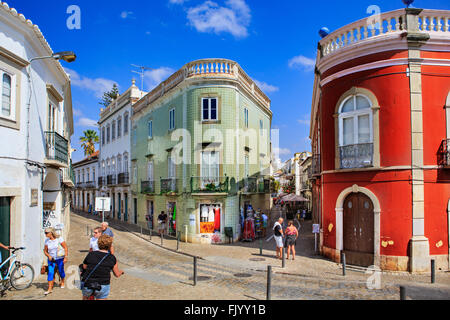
column 141, row 73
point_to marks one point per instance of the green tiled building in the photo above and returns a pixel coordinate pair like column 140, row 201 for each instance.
column 201, row 151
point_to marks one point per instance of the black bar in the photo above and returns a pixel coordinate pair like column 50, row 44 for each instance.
column 283, row 265
column 269, row 282
column 343, row 263
column 402, row 293
column 195, row 271
column 433, row 271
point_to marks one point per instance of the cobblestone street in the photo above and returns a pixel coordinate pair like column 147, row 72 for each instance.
column 225, row 272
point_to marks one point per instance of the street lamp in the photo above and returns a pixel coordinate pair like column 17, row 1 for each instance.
column 68, row 56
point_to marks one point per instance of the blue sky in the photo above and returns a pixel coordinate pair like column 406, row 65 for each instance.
column 275, row 43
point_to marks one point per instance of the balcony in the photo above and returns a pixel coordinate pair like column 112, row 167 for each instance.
column 88, row 185
column 210, row 185
column 148, row 187
column 111, row 180
column 444, row 154
column 264, row 185
column 249, row 185
column 123, row 178
column 356, row 156
column 101, row 181
column 169, row 185
column 57, row 150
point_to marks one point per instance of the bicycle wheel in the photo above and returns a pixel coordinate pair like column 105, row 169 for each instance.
column 22, row 276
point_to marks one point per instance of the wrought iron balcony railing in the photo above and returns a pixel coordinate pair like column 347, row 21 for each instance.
column 57, row 148
column 249, row 185
column 88, row 185
column 169, row 185
column 123, row 178
column 264, row 185
column 210, row 184
column 444, row 154
column 148, row 187
column 111, row 179
column 356, row 156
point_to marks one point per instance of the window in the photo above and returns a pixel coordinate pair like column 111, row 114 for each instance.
column 108, row 133
column 93, row 174
column 113, row 165
column 209, row 109
column 171, row 166
column 125, row 163
column 356, row 132
column 113, row 133
column 210, row 167
column 103, row 136
column 125, row 124
column 52, row 125
column 150, row 129
column 103, row 168
column 88, row 175
column 134, row 136
column 6, row 95
column 108, row 167
column 246, row 117
column 150, row 171
column 246, row 166
column 261, row 127
column 135, row 174
column 172, row 119
column 119, row 164
column 119, row 127
column 83, row 176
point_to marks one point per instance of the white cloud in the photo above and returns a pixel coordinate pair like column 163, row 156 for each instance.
column 126, row 14
column 77, row 112
column 282, row 151
column 154, row 77
column 89, row 123
column 98, row 85
column 177, row 1
column 212, row 18
column 306, row 120
column 266, row 87
column 302, row 62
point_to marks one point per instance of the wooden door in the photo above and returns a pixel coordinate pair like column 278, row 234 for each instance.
column 359, row 230
column 5, row 218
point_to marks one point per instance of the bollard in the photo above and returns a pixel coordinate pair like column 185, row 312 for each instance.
column 195, row 271
column 150, row 231
column 269, row 282
column 141, row 230
column 283, row 265
column 260, row 247
column 343, row 263
column 87, row 230
column 433, row 271
column 402, row 293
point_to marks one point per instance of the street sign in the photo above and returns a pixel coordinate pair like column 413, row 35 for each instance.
column 316, row 228
column 102, row 204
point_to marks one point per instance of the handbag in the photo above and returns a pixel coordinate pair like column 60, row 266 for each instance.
column 44, row 269
column 94, row 285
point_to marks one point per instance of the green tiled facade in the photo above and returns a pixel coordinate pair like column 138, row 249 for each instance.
column 186, row 100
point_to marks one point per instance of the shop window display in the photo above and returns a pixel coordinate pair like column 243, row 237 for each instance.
column 210, row 216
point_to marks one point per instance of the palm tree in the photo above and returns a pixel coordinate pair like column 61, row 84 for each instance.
column 88, row 142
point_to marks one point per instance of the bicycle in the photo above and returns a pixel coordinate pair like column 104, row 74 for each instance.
column 19, row 275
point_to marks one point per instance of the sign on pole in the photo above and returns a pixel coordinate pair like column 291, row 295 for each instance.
column 102, row 204
column 316, row 228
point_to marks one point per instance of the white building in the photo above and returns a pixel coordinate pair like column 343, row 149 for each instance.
column 36, row 124
column 115, row 152
column 86, row 183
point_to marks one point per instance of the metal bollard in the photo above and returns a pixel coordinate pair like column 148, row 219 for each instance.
column 150, row 231
column 343, row 263
column 141, row 230
column 87, row 230
column 433, row 271
column 195, row 271
column 402, row 293
column 269, row 282
column 283, row 253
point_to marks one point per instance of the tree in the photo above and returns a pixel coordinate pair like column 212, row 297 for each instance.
column 110, row 96
column 88, row 142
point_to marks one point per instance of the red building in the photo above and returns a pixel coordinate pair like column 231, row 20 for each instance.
column 380, row 126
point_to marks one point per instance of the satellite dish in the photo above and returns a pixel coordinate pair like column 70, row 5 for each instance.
column 408, row 2
column 324, row 32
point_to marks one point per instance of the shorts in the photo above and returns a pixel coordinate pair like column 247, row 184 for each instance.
column 102, row 294
column 279, row 241
column 52, row 265
column 162, row 226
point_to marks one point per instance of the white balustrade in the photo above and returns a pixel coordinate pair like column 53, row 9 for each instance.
column 430, row 21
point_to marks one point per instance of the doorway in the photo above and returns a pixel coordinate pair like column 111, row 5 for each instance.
column 126, row 207
column 358, row 230
column 5, row 220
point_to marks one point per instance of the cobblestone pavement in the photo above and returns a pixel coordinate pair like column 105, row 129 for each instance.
column 225, row 272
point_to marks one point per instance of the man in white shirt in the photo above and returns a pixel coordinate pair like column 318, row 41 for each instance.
column 278, row 236
column 93, row 243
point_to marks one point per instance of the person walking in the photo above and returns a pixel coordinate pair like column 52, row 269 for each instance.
column 265, row 220
column 97, row 266
column 107, row 231
column 5, row 248
column 93, row 243
column 291, row 233
column 278, row 236
column 162, row 220
column 55, row 248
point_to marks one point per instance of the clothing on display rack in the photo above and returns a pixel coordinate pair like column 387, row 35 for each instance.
column 217, row 218
column 249, row 230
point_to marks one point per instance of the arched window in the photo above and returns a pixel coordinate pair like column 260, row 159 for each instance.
column 125, row 163
column 356, row 134
column 119, row 164
column 113, row 165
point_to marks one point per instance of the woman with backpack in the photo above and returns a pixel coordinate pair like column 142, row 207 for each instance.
column 97, row 266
